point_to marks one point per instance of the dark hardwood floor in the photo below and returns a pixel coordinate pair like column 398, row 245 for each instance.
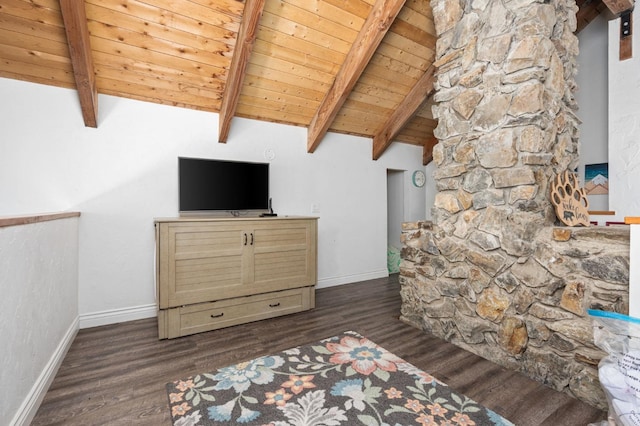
column 116, row 374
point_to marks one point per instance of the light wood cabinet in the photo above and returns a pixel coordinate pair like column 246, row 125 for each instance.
column 213, row 273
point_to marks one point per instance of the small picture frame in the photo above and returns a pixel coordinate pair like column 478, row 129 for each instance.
column 596, row 179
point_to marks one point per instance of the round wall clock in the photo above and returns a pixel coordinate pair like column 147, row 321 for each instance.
column 419, row 178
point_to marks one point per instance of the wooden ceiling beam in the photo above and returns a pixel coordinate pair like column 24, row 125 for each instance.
column 403, row 113
column 427, row 150
column 75, row 25
column 618, row 6
column 587, row 12
column 373, row 31
column 244, row 44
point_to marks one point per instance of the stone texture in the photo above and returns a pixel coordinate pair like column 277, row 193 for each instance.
column 515, row 176
column 464, row 153
column 489, row 113
column 525, row 192
column 586, row 387
column 533, row 139
column 472, row 331
column 507, row 281
column 477, row 180
column 547, row 367
column 485, row 241
column 465, row 103
column 550, row 313
column 513, row 336
column 494, row 49
column 492, row 304
column 527, row 100
column 497, row 149
column 488, row 197
column 561, row 234
column 573, row 298
column 465, row 223
column 614, row 269
column 492, row 273
column 473, row 77
column 447, row 201
column 531, row 274
column 581, row 331
column 488, row 262
column 445, row 14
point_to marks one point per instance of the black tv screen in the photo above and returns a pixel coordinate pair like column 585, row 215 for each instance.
column 214, row 185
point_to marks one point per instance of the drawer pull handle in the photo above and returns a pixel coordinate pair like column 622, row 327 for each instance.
column 274, row 305
column 217, row 316
column 245, row 239
column 252, row 238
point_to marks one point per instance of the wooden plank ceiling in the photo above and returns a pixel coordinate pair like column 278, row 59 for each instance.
column 361, row 67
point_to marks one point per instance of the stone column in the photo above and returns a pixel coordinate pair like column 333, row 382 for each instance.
column 506, row 122
column 506, row 127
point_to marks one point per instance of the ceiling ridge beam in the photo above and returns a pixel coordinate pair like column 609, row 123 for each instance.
column 373, row 31
column 244, row 44
column 403, row 113
column 75, row 25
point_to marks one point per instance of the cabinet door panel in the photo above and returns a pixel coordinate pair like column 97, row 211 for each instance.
column 217, row 271
column 202, row 261
column 205, row 262
column 284, row 256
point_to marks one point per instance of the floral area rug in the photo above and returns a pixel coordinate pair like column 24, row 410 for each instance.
column 343, row 380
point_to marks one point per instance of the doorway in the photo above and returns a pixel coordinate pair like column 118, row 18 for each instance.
column 395, row 217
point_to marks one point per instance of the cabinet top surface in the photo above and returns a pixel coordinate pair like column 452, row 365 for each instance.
column 229, row 218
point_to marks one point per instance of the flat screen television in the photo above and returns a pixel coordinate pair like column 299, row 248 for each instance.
column 207, row 185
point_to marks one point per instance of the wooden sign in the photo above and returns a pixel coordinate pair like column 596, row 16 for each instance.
column 626, row 32
column 623, row 9
column 569, row 200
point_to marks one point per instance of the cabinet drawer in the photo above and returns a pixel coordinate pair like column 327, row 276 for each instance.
column 196, row 318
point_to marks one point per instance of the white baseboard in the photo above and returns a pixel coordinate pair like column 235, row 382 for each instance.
column 96, row 319
column 27, row 410
column 348, row 279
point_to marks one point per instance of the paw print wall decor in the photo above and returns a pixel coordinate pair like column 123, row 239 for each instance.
column 569, row 200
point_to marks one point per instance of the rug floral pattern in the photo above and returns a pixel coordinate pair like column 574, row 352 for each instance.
column 343, row 380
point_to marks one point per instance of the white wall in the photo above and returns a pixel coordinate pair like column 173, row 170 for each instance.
column 39, row 311
column 624, row 143
column 395, row 206
column 592, row 95
column 124, row 173
column 624, row 124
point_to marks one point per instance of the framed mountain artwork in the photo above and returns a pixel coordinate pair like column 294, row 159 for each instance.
column 596, row 179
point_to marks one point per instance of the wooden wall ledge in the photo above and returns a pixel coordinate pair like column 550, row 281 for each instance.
column 630, row 220
column 26, row 220
column 601, row 212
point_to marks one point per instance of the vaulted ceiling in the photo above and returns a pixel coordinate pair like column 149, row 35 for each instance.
column 361, row 67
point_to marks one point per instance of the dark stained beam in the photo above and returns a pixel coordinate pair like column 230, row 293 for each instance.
column 403, row 113
column 244, row 44
column 618, row 6
column 373, row 31
column 75, row 25
column 626, row 32
column 427, row 150
column 587, row 12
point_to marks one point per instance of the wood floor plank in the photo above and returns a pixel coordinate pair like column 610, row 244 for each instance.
column 116, row 374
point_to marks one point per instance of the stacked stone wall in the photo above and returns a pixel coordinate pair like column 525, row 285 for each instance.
column 492, row 273
column 530, row 317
